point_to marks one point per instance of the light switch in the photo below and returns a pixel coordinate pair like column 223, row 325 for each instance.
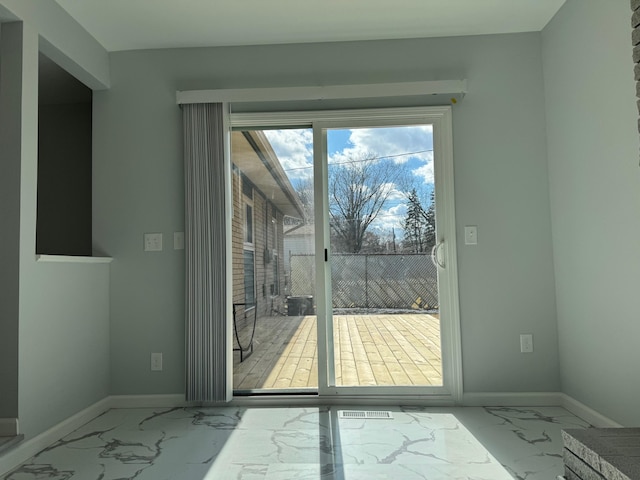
column 156, row 362
column 526, row 343
column 152, row 242
column 178, row 240
column 470, row 235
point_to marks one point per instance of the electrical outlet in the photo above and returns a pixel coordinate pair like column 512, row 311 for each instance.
column 526, row 343
column 152, row 242
column 156, row 362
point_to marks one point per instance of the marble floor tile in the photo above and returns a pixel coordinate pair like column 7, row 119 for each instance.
column 492, row 443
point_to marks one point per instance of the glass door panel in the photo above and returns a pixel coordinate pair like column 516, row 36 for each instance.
column 382, row 224
column 274, row 292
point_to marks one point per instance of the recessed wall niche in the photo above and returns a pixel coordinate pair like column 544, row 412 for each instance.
column 64, row 163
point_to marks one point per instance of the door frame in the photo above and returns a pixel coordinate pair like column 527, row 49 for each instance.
column 441, row 119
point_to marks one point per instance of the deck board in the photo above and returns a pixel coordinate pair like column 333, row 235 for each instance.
column 380, row 350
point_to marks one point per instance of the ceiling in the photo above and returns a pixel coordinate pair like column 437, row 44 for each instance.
column 142, row 24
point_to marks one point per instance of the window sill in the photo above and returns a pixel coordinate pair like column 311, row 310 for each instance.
column 71, row 259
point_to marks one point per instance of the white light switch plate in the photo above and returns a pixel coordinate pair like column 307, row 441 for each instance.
column 526, row 343
column 152, row 242
column 156, row 362
column 470, row 235
column 178, row 240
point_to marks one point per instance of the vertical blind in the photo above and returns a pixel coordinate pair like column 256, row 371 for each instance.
column 208, row 352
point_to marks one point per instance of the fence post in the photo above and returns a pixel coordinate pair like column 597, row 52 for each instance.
column 366, row 281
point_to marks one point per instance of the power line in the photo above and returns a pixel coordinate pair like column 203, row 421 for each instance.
column 384, row 215
column 363, row 160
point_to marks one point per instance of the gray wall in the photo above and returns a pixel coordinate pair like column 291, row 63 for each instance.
column 506, row 282
column 61, row 349
column 595, row 199
column 64, row 341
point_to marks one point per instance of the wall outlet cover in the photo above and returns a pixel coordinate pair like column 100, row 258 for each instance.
column 152, row 242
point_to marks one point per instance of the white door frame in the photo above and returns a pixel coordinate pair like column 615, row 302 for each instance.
column 440, row 118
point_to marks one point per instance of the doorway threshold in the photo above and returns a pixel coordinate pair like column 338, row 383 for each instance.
column 280, row 399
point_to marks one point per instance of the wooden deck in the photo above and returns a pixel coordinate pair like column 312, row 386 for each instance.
column 369, row 350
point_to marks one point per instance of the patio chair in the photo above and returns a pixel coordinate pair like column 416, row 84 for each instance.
column 253, row 309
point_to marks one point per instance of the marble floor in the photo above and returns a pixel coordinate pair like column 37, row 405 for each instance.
column 240, row 443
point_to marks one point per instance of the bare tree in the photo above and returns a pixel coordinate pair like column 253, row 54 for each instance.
column 304, row 189
column 358, row 190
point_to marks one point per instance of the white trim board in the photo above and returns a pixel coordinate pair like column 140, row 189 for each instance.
column 25, row 450
column 71, row 259
column 29, row 448
column 456, row 88
column 8, row 427
column 588, row 414
column 540, row 399
column 509, row 399
column 147, row 401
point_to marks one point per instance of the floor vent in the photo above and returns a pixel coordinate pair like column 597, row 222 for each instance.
column 366, row 414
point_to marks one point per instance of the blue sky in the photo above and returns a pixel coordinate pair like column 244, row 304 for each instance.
column 411, row 147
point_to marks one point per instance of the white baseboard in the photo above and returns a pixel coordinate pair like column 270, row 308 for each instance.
column 8, row 427
column 507, row 399
column 588, row 414
column 539, row 399
column 32, row 446
column 29, row 448
column 147, row 401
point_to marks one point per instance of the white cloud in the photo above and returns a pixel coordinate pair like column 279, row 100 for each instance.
column 294, row 149
column 390, row 218
column 394, row 193
column 397, row 143
column 425, row 172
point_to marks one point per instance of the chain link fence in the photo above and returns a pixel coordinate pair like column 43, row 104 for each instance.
column 381, row 281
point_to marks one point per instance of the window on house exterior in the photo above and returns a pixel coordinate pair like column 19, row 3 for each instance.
column 248, row 222
column 274, row 261
column 276, row 274
column 249, row 264
column 249, row 277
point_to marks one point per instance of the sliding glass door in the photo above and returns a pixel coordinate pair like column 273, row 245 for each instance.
column 275, row 328
column 363, row 238
column 382, row 227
